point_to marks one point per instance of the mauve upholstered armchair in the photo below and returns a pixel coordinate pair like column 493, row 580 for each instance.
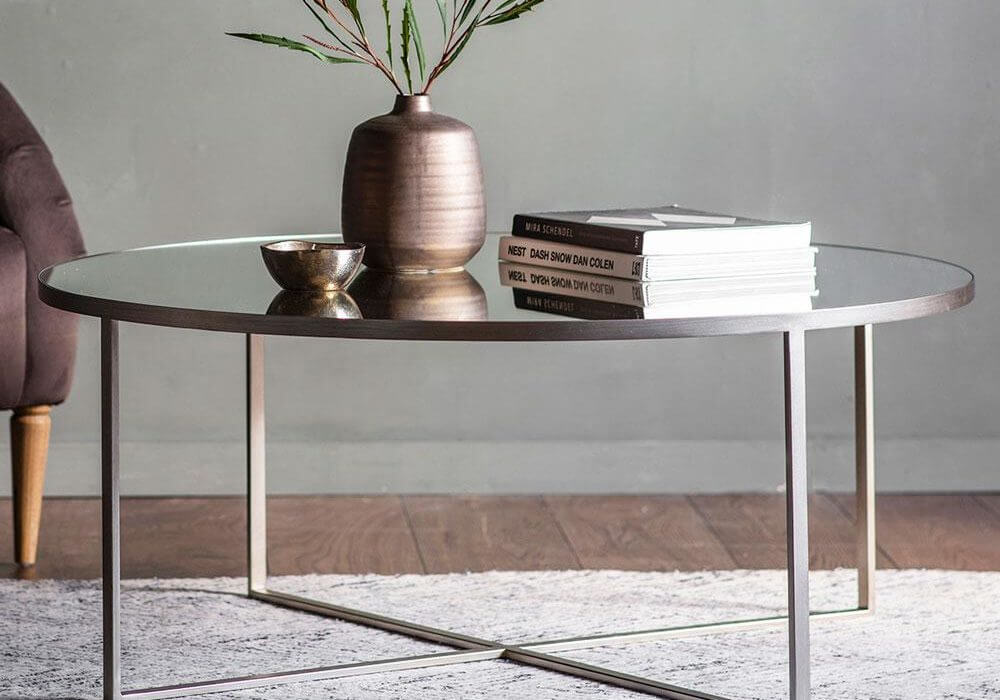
column 37, row 342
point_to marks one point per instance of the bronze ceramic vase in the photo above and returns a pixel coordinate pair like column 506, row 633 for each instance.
column 413, row 190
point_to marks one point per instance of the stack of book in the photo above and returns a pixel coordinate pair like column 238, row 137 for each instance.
column 662, row 262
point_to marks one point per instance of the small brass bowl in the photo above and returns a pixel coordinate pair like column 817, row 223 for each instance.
column 304, row 266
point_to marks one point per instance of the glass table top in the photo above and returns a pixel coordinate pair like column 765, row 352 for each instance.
column 223, row 285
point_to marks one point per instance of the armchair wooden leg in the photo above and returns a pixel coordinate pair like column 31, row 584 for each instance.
column 29, row 446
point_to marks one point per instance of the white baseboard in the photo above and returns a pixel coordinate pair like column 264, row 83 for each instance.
column 688, row 466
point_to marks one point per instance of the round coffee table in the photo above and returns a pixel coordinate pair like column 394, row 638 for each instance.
column 222, row 286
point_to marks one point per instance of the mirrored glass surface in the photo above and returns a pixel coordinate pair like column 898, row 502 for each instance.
column 229, row 276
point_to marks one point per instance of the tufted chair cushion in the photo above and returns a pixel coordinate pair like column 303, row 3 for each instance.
column 36, row 210
column 12, row 322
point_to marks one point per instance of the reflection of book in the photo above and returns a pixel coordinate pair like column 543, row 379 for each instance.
column 593, row 310
column 634, row 293
column 532, row 251
column 574, row 307
column 666, row 230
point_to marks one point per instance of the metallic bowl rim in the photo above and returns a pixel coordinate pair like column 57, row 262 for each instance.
column 310, row 247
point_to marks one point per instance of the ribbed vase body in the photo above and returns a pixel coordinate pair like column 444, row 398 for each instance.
column 413, row 190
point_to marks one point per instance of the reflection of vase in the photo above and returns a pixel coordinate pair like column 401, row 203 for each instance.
column 413, row 189
column 442, row 296
column 317, row 304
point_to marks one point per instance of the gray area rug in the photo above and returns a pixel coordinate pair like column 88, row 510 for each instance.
column 936, row 634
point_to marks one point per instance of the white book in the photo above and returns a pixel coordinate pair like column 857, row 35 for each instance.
column 660, row 219
column 695, row 219
column 750, row 305
column 646, row 294
column 532, row 251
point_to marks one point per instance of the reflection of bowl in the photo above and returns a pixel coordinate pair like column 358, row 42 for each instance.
column 439, row 296
column 305, row 266
column 317, row 304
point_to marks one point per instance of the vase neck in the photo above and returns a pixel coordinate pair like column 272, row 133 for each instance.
column 411, row 104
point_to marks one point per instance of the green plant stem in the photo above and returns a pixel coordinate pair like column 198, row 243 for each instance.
column 466, row 17
column 455, row 43
column 361, row 41
column 364, row 59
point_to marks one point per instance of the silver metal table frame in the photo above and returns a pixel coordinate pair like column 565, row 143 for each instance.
column 539, row 653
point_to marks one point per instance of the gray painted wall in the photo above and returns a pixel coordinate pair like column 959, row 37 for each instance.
column 879, row 121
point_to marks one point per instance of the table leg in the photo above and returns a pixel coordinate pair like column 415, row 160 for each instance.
column 256, row 485
column 110, row 511
column 469, row 648
column 864, row 440
column 796, row 514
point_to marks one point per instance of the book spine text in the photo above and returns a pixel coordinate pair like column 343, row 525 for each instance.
column 599, row 262
column 542, row 279
column 572, row 307
column 586, row 235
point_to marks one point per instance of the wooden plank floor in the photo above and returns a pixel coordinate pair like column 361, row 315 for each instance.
column 171, row 537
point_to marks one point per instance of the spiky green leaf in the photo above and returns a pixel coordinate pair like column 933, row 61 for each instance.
column 443, row 11
column 467, row 7
column 508, row 11
column 418, row 42
column 326, row 26
column 458, row 50
column 352, row 7
column 293, row 45
column 388, row 30
column 405, row 56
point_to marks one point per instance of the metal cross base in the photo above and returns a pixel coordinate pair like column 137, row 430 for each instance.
column 539, row 654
